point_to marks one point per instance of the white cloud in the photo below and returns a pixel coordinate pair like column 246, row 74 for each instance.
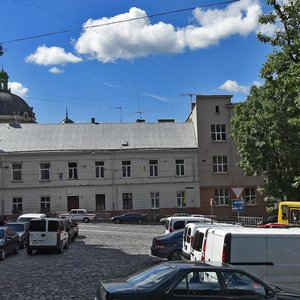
column 18, row 89
column 51, row 56
column 159, row 98
column 234, row 87
column 56, row 70
column 140, row 38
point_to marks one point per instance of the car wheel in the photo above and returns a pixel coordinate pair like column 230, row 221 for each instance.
column 3, row 254
column 29, row 251
column 118, row 221
column 175, row 255
column 86, row 220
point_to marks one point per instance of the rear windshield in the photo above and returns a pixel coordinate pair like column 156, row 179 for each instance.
column 179, row 225
column 53, row 226
column 37, row 225
column 16, row 227
column 198, row 240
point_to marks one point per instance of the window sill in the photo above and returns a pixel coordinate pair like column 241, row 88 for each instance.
column 45, row 180
column 16, row 181
column 220, row 173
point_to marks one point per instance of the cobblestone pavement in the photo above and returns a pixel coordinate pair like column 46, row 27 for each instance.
column 102, row 251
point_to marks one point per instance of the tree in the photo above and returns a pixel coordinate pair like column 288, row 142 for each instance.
column 266, row 127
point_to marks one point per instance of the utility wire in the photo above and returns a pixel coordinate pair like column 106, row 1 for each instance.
column 117, row 22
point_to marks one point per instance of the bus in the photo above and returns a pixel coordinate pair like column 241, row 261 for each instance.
column 289, row 212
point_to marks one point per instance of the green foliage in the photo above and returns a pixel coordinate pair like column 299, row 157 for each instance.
column 266, row 127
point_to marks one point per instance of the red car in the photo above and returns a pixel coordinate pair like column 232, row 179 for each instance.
column 274, row 225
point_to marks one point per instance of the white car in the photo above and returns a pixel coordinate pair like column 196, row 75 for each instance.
column 78, row 215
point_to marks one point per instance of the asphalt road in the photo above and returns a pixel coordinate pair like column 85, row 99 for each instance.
column 102, row 251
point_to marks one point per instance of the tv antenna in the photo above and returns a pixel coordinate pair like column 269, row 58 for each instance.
column 191, row 95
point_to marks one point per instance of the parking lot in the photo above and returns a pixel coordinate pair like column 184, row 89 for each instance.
column 101, row 251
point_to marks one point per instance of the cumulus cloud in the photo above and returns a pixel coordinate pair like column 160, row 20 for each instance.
column 56, row 70
column 233, row 87
column 18, row 89
column 141, row 38
column 47, row 56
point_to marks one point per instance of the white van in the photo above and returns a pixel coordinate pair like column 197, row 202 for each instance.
column 175, row 223
column 189, row 235
column 28, row 217
column 271, row 254
column 47, row 234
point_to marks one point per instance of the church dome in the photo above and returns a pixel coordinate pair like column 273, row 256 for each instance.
column 12, row 107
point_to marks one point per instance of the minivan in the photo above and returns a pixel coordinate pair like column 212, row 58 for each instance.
column 175, row 223
column 271, row 254
column 47, row 234
column 28, row 217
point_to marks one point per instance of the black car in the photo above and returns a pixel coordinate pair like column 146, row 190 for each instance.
column 22, row 228
column 168, row 246
column 270, row 219
column 183, row 280
column 9, row 242
column 129, row 218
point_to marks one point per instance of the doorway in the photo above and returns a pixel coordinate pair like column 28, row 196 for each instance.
column 73, row 202
column 100, row 201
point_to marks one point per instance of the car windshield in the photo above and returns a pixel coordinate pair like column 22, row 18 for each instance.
column 152, row 277
column 1, row 233
column 25, row 219
column 16, row 227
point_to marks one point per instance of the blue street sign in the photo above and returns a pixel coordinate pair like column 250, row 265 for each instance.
column 238, row 205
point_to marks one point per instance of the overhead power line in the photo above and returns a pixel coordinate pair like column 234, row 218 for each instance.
column 117, row 22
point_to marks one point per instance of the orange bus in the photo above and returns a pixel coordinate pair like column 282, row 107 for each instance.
column 289, row 212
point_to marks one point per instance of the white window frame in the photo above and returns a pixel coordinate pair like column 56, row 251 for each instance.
column 218, row 132
column 250, row 196
column 99, row 169
column 179, row 167
column 181, row 198
column 16, row 169
column 221, row 197
column 45, row 204
column 126, row 169
column 73, row 170
column 220, row 164
column 17, row 204
column 153, row 168
column 45, row 171
column 154, row 198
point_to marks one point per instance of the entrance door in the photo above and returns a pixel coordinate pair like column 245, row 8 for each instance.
column 100, row 202
column 73, row 202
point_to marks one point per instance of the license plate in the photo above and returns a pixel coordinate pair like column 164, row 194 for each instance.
column 37, row 242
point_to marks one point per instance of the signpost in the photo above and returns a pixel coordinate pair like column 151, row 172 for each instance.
column 238, row 205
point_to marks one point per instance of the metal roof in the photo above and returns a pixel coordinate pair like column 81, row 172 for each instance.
column 32, row 137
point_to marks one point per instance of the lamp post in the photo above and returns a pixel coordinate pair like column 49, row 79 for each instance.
column 211, row 203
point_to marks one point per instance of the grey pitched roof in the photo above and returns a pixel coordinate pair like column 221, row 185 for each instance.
column 104, row 136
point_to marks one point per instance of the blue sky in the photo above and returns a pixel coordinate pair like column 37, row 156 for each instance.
column 147, row 68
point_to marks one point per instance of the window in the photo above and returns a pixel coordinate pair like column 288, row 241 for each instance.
column 153, row 167
column 17, row 172
column 73, row 170
column 219, row 164
column 181, row 201
column 221, row 197
column 100, row 202
column 45, row 204
column 218, row 132
column 126, row 168
column 217, row 109
column 199, row 283
column 250, row 196
column 17, row 205
column 154, row 196
column 179, row 167
column 45, row 171
column 127, row 200
column 99, row 168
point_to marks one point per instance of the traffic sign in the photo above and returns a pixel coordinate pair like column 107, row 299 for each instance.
column 238, row 205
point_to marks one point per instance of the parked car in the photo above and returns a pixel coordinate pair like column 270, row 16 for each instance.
column 70, row 228
column 78, row 215
column 168, row 246
column 28, row 217
column 270, row 219
column 129, row 218
column 22, row 228
column 9, row 242
column 183, row 280
column 274, row 225
column 47, row 234
column 180, row 214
